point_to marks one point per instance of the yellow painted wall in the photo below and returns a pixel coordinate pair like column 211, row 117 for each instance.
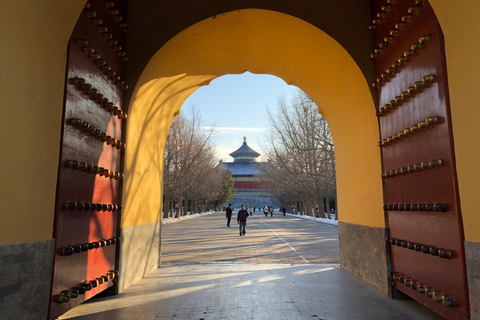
column 461, row 28
column 266, row 42
column 34, row 37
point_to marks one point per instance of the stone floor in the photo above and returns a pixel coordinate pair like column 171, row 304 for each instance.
column 284, row 268
column 268, row 239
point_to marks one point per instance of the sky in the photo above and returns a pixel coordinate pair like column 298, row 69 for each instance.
column 237, row 105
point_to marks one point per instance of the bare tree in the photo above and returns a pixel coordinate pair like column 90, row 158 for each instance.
column 301, row 156
column 191, row 175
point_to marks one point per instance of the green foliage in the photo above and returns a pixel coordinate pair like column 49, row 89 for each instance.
column 228, row 191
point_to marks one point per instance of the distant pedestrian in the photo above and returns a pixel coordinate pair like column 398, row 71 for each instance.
column 250, row 211
column 271, row 211
column 265, row 211
column 229, row 214
column 242, row 220
column 284, row 210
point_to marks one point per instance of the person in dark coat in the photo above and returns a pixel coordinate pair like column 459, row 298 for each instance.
column 242, row 220
column 284, row 210
column 229, row 214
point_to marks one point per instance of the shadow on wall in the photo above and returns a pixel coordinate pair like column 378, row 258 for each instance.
column 143, row 194
column 139, row 253
column 286, row 47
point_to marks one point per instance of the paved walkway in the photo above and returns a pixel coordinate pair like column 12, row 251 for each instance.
column 276, row 239
column 205, row 276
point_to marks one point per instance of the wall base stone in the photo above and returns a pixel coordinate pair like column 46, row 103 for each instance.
column 472, row 257
column 139, row 253
column 26, row 277
column 363, row 254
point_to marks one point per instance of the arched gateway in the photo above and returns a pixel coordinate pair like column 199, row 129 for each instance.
column 108, row 190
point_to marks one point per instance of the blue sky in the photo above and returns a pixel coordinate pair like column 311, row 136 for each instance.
column 237, row 104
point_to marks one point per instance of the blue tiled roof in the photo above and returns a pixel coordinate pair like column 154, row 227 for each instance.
column 240, row 168
column 244, row 151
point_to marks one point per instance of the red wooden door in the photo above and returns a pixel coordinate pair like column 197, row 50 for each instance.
column 425, row 224
column 89, row 177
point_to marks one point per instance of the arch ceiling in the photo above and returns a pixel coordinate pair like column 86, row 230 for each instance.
column 266, row 42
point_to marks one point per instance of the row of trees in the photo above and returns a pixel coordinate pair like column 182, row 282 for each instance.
column 193, row 180
column 300, row 171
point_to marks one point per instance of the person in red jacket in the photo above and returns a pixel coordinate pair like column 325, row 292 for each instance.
column 242, row 219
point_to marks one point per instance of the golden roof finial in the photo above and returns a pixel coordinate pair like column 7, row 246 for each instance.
column 245, row 139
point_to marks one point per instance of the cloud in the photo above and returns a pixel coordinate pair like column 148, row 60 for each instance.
column 234, row 129
column 223, row 153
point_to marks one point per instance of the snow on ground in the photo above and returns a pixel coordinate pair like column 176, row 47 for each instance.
column 181, row 218
column 196, row 215
column 322, row 220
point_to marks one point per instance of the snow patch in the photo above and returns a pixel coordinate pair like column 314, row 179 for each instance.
column 181, row 218
column 322, row 220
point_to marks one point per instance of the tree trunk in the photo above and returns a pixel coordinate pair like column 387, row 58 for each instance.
column 185, row 207
column 336, row 205
column 321, row 209
column 327, row 202
column 166, row 206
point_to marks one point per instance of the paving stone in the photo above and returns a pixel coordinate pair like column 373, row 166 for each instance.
column 227, row 285
column 212, row 236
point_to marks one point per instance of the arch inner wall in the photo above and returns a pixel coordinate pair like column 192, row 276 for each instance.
column 266, row 42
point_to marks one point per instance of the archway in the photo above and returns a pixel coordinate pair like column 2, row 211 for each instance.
column 24, row 191
column 259, row 41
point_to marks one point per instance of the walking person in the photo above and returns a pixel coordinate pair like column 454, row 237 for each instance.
column 265, row 211
column 284, row 210
column 229, row 214
column 250, row 211
column 242, row 220
column 271, row 211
